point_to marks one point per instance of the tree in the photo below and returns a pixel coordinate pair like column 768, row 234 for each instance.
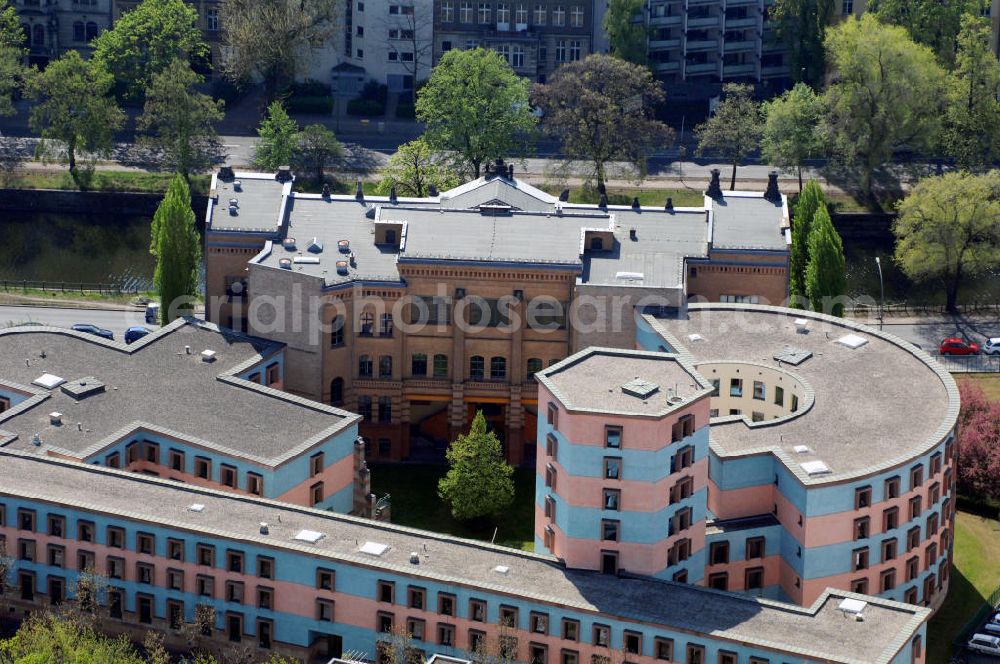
column 46, row 637
column 601, row 109
column 947, row 230
column 791, row 131
column 271, row 39
column 978, row 444
column 11, row 52
column 179, row 120
column 800, row 25
column 626, row 28
column 826, row 279
column 810, row 200
column 74, row 106
column 934, row 23
column 971, row 133
column 315, row 147
column 735, row 129
column 145, row 41
column 177, row 250
column 415, row 167
column 480, row 482
column 887, row 92
column 475, row 105
column 277, row 133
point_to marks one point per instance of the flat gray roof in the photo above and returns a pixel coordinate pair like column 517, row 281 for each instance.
column 748, row 221
column 155, row 385
column 820, row 632
column 259, row 203
column 875, row 406
column 593, row 380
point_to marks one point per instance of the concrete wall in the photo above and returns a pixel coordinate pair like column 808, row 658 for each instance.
column 90, row 202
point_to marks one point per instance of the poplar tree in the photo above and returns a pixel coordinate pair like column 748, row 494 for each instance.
column 810, row 200
column 825, row 276
column 480, row 482
column 177, row 248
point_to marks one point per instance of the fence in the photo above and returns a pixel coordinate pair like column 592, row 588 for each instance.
column 68, row 287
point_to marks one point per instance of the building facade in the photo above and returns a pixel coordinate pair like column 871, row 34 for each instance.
column 416, row 313
column 52, row 27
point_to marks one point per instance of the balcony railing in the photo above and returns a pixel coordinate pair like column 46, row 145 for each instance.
column 702, row 45
column 739, row 46
column 664, row 43
column 703, row 68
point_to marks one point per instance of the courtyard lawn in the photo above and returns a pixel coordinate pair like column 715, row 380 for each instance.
column 974, row 577
column 989, row 382
column 415, row 503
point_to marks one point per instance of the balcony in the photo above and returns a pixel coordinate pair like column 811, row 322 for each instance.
column 702, row 3
column 702, row 45
column 739, row 70
column 666, row 67
column 663, row 44
column 741, row 23
column 700, row 69
column 483, row 385
column 703, row 22
column 744, row 3
column 771, row 72
column 658, row 21
column 739, row 46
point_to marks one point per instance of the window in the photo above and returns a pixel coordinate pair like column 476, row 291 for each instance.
column 930, row 554
column 144, row 543
column 85, row 561
column 385, row 410
column 324, row 610
column 758, row 391
column 337, row 332
column 465, row 12
column 367, row 327
column 887, row 580
column 26, row 520
column 912, row 568
column 316, row 494
column 913, row 538
column 265, row 567
column 212, row 20
column 446, row 604
column 612, row 499
column 416, row 598
column 227, row 475
column 418, row 364
column 205, row 555
column 386, row 591
column 538, row 622
column 916, row 476
column 440, row 366
column 727, row 657
column 78, row 33
column 754, row 547
column 477, row 367
column 550, row 476
column 847, row 8
column 779, row 396
column 116, row 567
column 663, row 648
column 477, row 610
column 684, row 458
column 132, row 452
column 202, row 468
column 503, row 12
column 718, row 581
column 175, row 549
column 890, row 519
column 152, row 451
column 116, row 537
column 57, row 555
column 113, row 460
column 862, row 497
column 558, row 16
column 446, row 634
column 695, row 654
column 576, row 16
column 718, row 553
column 736, row 387
column 385, row 325
column 888, row 549
column 754, row 578
column 385, row 366
column 613, row 437
column 914, row 507
column 612, row 468
column 859, row 586
column 860, row 559
column 517, row 61
column 892, row 488
column 255, row 484
column 498, row 368
column 175, row 579
column 862, row 527
column 447, row 11
column 602, row 636
column 508, row 616
column 365, row 407
column 632, row 642
column 484, row 13
column 177, row 460
column 365, row 366
column 538, row 16
column 550, row 508
column 610, row 530
column 234, row 592
column 561, row 51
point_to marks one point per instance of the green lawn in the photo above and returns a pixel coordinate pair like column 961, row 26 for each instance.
column 130, row 181
column 415, row 503
column 989, row 382
column 975, row 575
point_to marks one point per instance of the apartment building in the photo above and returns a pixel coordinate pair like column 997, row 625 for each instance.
column 416, row 313
column 52, row 27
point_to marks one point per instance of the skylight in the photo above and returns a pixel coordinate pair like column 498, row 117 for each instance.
column 640, row 388
column 48, row 381
column 815, row 468
column 374, row 548
column 196, row 507
column 852, row 341
column 310, row 536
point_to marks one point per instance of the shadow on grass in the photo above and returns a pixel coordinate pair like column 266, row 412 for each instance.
column 415, row 503
column 964, row 601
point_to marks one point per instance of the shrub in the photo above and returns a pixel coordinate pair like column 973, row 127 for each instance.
column 310, row 88
column 375, row 91
column 311, row 105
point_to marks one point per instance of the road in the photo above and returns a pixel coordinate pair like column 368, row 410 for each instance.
column 928, row 334
column 116, row 321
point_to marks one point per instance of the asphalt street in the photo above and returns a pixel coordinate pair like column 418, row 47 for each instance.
column 116, row 321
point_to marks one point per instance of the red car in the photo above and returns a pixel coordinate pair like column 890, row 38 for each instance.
column 956, row 346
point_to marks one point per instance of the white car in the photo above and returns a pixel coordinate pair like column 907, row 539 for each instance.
column 992, row 627
column 984, row 643
column 992, row 346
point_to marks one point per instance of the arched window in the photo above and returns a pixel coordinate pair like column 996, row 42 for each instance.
column 336, row 391
column 534, row 366
column 78, row 32
column 91, row 30
column 440, row 366
column 38, row 35
column 385, row 366
column 498, row 368
column 477, row 367
column 365, row 366
column 367, row 323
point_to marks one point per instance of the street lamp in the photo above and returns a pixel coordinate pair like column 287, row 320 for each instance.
column 881, row 285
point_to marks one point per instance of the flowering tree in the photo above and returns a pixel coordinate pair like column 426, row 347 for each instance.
column 978, row 444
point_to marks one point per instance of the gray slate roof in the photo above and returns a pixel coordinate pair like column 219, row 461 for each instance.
column 820, row 632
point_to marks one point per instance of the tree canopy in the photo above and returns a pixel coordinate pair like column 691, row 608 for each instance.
column 800, row 25
column 277, row 138
column 810, row 200
column 887, row 92
column 978, row 444
column 413, row 168
column 947, row 230
column 475, row 106
column 626, row 28
column 315, row 148
column 44, row 637
column 602, row 110
column 791, row 131
column 180, row 121
column 971, row 133
column 735, row 129
column 11, row 51
column 74, row 106
column 272, row 39
column 145, row 40
column 826, row 279
column 177, row 248
column 935, row 23
column 480, row 481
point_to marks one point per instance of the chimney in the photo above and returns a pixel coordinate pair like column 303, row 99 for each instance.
column 392, row 195
column 226, row 173
column 669, row 207
column 632, row 235
column 564, row 196
column 772, row 194
column 510, row 172
column 284, row 174
column 635, row 203
column 359, row 192
column 714, row 188
column 432, row 190
column 603, row 203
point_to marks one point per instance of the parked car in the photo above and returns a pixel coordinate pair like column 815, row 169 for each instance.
column 135, row 333
column 956, row 346
column 984, row 643
column 992, row 627
column 153, row 313
column 93, row 329
column 992, row 346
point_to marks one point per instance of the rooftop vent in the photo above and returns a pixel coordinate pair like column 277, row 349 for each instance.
column 633, row 277
column 414, row 558
column 341, row 267
column 83, row 387
column 695, row 337
column 344, row 246
column 264, row 530
column 374, row 548
column 284, row 174
column 852, row 341
column 315, row 246
column 814, row 468
column 501, row 569
column 852, row 607
column 48, row 381
column 36, row 440
column 285, row 263
column 288, row 243
column 640, row 388
column 306, row 260
column 792, row 355
column 801, row 325
column 237, row 185
column 208, row 355
column 196, row 507
column 310, row 536
column 55, row 419
column 801, row 449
